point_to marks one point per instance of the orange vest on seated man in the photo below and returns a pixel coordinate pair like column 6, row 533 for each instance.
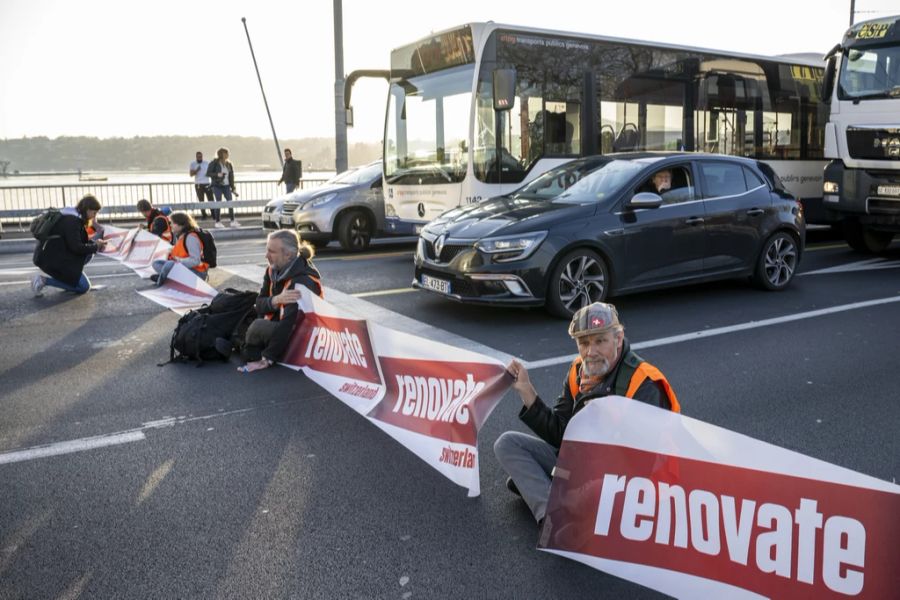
column 158, row 224
column 180, row 250
column 633, row 371
column 299, row 271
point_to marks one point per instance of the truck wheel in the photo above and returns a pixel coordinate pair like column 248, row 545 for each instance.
column 579, row 279
column 355, row 231
column 777, row 263
column 865, row 240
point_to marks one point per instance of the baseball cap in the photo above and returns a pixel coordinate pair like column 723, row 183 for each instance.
column 598, row 317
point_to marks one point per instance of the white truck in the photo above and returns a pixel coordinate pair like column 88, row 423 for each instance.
column 861, row 183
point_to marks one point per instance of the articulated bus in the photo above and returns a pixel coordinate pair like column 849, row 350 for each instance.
column 575, row 95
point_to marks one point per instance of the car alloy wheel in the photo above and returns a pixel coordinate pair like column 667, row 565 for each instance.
column 579, row 279
column 778, row 262
column 355, row 231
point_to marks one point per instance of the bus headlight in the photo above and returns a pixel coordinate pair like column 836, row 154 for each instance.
column 511, row 247
column 389, row 210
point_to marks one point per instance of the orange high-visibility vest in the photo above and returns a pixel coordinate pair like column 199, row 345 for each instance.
column 287, row 284
column 179, row 250
column 633, row 370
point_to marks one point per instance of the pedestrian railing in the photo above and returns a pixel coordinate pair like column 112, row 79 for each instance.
column 19, row 204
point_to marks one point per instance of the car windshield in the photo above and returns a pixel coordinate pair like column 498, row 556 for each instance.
column 581, row 181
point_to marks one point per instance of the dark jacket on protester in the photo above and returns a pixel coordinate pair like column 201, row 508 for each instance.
column 288, row 316
column 550, row 425
column 157, row 222
column 292, row 171
column 215, row 170
column 64, row 254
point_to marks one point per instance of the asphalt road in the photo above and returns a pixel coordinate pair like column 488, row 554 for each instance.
column 263, row 486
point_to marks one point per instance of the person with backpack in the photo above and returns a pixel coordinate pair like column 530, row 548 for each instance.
column 277, row 310
column 63, row 247
column 188, row 249
column 157, row 222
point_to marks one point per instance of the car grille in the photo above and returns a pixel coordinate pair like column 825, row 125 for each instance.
column 448, row 252
column 874, row 144
column 288, row 208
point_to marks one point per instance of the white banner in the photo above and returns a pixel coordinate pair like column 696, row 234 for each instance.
column 696, row 511
column 182, row 291
column 430, row 397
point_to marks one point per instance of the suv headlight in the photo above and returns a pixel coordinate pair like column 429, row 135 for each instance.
column 317, row 202
column 511, row 247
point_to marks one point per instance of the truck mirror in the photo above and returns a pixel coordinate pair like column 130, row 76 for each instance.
column 504, row 81
column 348, row 115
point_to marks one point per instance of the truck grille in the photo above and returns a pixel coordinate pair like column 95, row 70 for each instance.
column 874, row 144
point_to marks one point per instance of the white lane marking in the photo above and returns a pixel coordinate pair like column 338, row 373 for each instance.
column 120, row 437
column 71, row 446
column 871, row 264
column 405, row 290
column 697, row 335
column 154, row 480
column 91, row 277
column 388, row 318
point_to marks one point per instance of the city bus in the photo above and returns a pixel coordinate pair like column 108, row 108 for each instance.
column 447, row 143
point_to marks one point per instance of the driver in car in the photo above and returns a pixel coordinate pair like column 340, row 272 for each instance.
column 662, row 181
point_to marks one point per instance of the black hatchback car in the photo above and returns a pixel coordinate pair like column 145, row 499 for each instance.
column 612, row 225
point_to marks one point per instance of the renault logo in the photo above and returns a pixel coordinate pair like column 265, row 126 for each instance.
column 439, row 245
column 421, row 209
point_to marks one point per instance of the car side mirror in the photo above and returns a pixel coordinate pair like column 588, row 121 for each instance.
column 645, row 200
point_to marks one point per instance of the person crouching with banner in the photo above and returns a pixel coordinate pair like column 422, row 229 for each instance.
column 605, row 366
column 289, row 264
column 187, row 250
column 157, row 222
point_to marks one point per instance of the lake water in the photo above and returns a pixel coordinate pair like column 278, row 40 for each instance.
column 144, row 177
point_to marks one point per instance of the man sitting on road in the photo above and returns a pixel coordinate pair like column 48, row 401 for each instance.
column 157, row 222
column 605, row 366
column 289, row 264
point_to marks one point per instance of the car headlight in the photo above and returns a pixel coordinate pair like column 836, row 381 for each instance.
column 316, row 202
column 511, row 247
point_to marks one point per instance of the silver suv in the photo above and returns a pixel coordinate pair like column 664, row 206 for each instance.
column 349, row 208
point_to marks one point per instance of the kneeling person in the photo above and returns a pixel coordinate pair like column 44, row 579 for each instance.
column 289, row 264
column 187, row 249
column 605, row 366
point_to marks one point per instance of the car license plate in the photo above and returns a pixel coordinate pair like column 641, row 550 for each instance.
column 889, row 190
column 438, row 285
column 287, row 220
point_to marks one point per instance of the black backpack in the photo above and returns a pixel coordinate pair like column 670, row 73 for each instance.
column 195, row 335
column 209, row 247
column 43, row 224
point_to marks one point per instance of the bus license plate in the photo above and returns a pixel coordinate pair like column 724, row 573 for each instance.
column 438, row 285
column 889, row 190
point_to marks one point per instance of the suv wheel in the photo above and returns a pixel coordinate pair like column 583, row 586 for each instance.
column 777, row 263
column 355, row 231
column 579, row 279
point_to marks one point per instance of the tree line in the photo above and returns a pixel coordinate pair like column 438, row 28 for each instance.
column 168, row 153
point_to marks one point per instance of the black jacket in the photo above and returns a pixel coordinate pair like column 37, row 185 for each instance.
column 550, row 425
column 214, row 172
column 291, row 172
column 300, row 271
column 157, row 222
column 63, row 255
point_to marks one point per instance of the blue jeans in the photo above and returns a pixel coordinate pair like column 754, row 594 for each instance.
column 289, row 187
column 84, row 284
column 164, row 266
column 218, row 192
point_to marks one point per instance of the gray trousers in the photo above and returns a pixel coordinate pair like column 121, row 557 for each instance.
column 529, row 461
column 258, row 336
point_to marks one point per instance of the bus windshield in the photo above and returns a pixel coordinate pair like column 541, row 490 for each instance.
column 427, row 127
column 870, row 73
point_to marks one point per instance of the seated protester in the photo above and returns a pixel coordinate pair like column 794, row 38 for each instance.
column 289, row 264
column 62, row 256
column 157, row 222
column 188, row 249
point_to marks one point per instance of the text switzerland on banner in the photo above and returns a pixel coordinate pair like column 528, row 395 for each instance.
column 697, row 511
column 430, row 397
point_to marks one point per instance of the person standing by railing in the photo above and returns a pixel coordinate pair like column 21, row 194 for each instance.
column 221, row 172
column 202, row 185
column 291, row 172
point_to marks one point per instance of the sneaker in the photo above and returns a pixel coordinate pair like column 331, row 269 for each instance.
column 37, row 285
column 511, row 486
column 154, row 278
column 220, row 224
column 234, row 223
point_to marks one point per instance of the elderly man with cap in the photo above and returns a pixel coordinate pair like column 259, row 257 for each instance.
column 605, row 366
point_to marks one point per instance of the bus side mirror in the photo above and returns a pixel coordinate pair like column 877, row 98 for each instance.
column 504, row 81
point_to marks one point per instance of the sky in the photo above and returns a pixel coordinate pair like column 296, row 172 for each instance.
column 116, row 68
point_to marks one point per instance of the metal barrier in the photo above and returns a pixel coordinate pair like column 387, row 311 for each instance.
column 21, row 203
